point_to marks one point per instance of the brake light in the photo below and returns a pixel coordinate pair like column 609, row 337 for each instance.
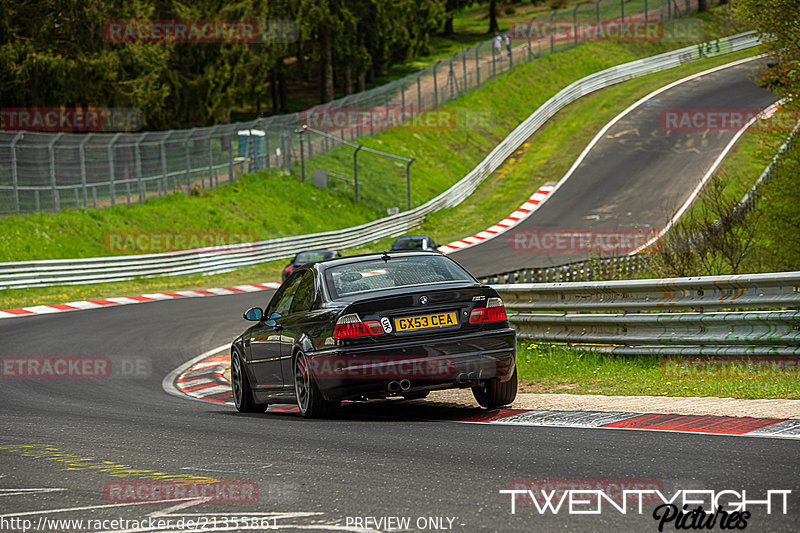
column 350, row 326
column 374, row 327
column 495, row 311
column 288, row 269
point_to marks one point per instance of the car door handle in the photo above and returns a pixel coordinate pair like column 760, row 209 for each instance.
column 278, row 328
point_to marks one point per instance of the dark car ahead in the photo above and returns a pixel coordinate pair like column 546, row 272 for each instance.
column 309, row 256
column 414, row 243
column 374, row 326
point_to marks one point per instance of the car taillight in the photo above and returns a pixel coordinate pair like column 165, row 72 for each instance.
column 288, row 269
column 495, row 311
column 350, row 326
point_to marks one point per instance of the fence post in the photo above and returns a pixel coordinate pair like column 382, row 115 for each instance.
column 494, row 55
column 575, row 23
column 189, row 164
column 355, row 168
column 478, row 65
column 230, row 154
column 419, row 95
column 164, row 162
column 402, row 98
column 267, row 153
column 451, row 80
column 52, row 153
column 111, row 185
column 530, row 50
column 552, row 34
column 464, row 68
column 82, row 152
column 408, row 182
column 210, row 163
column 14, row 174
column 435, row 87
column 622, row 10
column 302, row 156
column 138, row 166
column 597, row 22
column 386, row 111
column 645, row 10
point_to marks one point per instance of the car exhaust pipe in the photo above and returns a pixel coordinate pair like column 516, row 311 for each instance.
column 473, row 376
column 405, row 385
column 393, row 386
column 461, row 377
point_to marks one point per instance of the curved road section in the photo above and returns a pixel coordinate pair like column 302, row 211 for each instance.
column 634, row 179
column 91, row 442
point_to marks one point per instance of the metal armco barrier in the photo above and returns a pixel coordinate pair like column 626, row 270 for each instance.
column 643, row 316
column 217, row 260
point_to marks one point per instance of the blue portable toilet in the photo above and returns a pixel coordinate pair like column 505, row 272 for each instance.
column 251, row 152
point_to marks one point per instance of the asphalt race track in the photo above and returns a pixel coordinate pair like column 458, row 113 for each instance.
column 316, row 472
column 634, row 179
column 66, row 444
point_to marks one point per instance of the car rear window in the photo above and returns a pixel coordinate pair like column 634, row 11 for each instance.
column 409, row 244
column 312, row 257
column 373, row 275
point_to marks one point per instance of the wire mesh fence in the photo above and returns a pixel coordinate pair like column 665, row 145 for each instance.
column 53, row 171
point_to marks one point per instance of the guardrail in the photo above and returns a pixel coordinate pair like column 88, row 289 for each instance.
column 643, row 316
column 223, row 259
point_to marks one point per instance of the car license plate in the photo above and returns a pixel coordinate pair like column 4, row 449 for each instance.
column 438, row 320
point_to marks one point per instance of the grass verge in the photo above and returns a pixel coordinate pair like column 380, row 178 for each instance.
column 294, row 207
column 549, row 368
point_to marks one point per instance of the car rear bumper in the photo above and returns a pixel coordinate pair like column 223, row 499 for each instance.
column 439, row 363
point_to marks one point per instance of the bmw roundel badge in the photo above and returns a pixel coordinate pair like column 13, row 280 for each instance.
column 423, row 300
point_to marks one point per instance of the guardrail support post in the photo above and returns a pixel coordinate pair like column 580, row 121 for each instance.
column 622, row 10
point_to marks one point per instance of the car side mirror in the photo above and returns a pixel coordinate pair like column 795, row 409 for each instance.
column 254, row 314
column 271, row 320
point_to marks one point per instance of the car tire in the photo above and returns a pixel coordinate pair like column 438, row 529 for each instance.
column 240, row 386
column 309, row 398
column 416, row 395
column 494, row 393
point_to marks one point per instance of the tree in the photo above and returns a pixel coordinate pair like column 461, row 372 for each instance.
column 776, row 22
column 451, row 7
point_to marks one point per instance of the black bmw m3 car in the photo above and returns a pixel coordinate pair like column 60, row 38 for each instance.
column 375, row 326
